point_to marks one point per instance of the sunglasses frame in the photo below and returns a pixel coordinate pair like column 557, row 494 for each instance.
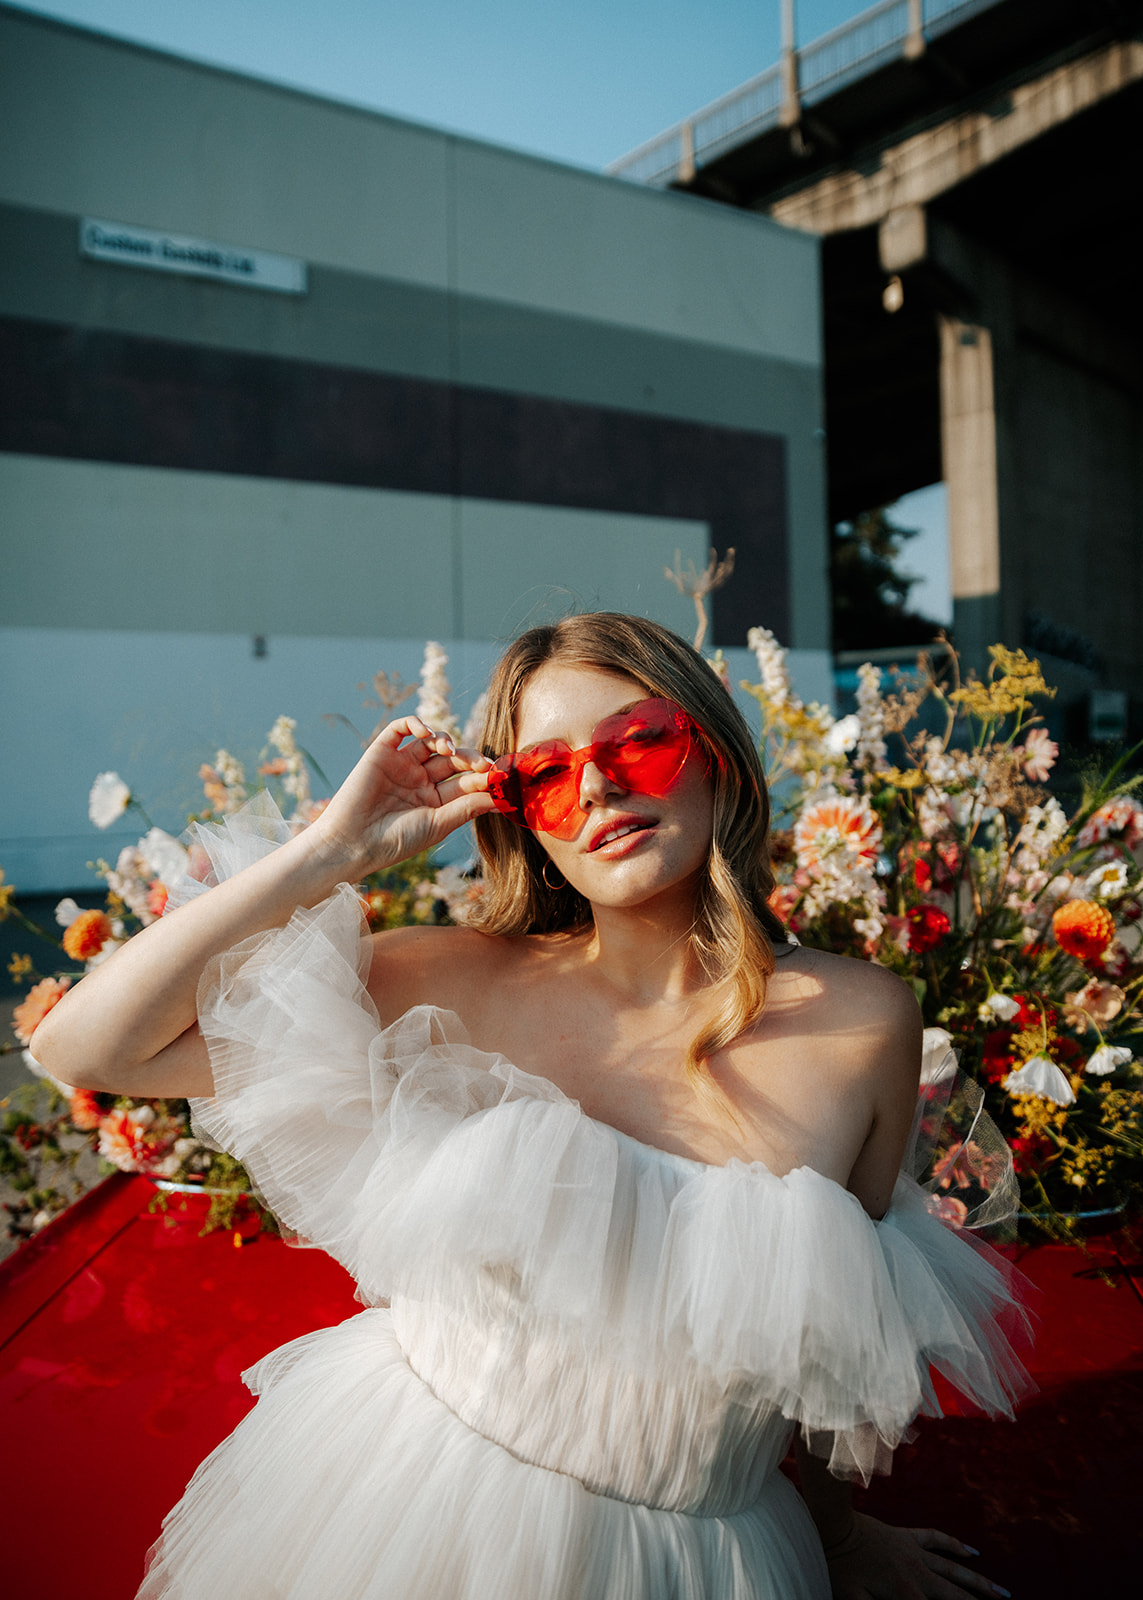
column 508, row 776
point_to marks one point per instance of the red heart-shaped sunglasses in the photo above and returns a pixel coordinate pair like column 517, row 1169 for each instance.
column 642, row 750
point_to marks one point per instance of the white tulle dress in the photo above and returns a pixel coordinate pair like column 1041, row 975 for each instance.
column 582, row 1359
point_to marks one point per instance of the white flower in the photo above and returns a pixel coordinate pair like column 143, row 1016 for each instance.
column 1108, row 882
column 108, row 800
column 296, row 778
column 164, row 857
column 938, row 1059
column 231, row 771
column 843, row 735
column 433, row 705
column 66, row 912
column 282, row 737
column 1108, row 1058
column 1043, row 828
column 998, row 1006
column 871, row 747
column 1041, row 1077
column 1059, row 886
column 772, row 669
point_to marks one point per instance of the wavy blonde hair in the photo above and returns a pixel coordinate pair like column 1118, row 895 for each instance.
column 734, row 927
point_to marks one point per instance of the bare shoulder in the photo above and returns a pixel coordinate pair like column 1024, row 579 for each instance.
column 869, row 1015
column 434, row 966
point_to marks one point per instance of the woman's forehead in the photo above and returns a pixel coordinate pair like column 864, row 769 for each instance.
column 565, row 701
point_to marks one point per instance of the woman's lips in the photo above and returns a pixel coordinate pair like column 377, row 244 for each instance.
column 618, row 834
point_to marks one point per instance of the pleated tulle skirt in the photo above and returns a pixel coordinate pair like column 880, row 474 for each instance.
column 350, row 1480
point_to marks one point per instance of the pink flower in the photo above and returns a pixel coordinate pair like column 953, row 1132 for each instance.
column 1039, row 754
column 1123, row 815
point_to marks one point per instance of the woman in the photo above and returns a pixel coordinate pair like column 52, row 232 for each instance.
column 616, row 1158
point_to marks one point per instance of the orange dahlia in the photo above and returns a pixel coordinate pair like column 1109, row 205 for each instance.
column 42, row 996
column 87, row 935
column 1083, row 929
column 841, row 827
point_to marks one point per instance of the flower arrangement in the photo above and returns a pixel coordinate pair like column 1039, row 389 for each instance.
column 919, row 832
column 47, row 1128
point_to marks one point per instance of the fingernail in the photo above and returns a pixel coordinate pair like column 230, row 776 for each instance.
column 971, row 1551
column 1007, row 1593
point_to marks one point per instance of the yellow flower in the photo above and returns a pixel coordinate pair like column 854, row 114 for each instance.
column 20, row 967
column 1006, row 694
column 6, row 893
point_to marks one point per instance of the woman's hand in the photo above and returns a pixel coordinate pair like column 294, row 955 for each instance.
column 411, row 789
column 876, row 1562
column 125, row 1027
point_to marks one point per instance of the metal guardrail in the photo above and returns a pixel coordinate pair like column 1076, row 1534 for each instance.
column 885, row 32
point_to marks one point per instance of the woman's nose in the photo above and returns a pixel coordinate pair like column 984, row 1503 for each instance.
column 596, row 786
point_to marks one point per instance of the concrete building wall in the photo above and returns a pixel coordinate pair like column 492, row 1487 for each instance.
column 511, row 389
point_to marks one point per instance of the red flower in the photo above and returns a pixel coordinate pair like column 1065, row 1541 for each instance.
column 1031, row 1152
column 923, row 876
column 157, row 897
column 1033, row 1014
column 998, row 1060
column 927, row 927
column 1083, row 929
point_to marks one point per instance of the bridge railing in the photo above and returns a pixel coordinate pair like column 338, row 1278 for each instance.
column 861, row 45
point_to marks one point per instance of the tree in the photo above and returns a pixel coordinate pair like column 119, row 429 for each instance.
column 870, row 595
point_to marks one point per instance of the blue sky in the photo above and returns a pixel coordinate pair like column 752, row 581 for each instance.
column 582, row 84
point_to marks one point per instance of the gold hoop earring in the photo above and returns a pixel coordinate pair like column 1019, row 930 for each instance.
column 554, row 887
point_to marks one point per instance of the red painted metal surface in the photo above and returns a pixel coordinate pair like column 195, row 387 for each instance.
column 123, row 1335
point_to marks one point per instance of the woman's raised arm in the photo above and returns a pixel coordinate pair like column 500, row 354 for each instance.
column 129, row 1027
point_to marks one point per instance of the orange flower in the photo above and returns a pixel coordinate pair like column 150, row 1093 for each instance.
column 85, row 1110
column 1083, row 929
column 156, row 897
column 87, row 935
column 837, row 827
column 41, row 998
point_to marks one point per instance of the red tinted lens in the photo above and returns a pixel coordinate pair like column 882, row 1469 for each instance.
column 539, row 788
column 644, row 749
column 549, row 786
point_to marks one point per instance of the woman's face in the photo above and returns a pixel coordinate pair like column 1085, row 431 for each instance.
column 633, row 847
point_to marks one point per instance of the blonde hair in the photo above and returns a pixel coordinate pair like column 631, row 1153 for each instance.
column 734, row 928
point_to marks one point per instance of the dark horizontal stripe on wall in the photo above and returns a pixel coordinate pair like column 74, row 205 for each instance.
column 99, row 396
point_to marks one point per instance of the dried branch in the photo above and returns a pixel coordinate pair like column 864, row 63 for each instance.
column 699, row 584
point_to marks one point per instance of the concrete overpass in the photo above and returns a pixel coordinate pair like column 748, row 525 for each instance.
column 972, row 168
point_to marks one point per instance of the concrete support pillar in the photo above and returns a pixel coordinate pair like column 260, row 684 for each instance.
column 968, row 448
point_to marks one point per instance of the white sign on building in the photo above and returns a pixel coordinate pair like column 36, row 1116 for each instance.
column 195, row 258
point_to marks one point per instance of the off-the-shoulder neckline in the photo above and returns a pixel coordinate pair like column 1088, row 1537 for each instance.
column 651, row 1150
